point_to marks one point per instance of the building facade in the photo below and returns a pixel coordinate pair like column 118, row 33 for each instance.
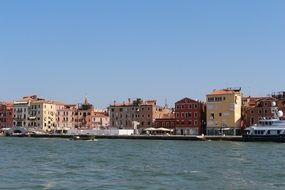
column 190, row 117
column 65, row 116
column 122, row 115
column 101, row 119
column 83, row 115
column 35, row 113
column 168, row 123
column 20, row 112
column 224, row 112
column 6, row 115
column 257, row 108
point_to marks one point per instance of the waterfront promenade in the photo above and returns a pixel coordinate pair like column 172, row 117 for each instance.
column 152, row 137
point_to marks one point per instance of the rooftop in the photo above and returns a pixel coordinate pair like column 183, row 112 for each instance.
column 225, row 91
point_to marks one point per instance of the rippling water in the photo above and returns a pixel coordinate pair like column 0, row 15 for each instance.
column 27, row 163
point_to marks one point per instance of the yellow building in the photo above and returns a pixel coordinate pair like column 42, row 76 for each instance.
column 35, row 113
column 42, row 115
column 224, row 112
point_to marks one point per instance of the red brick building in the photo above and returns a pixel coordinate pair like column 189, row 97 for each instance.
column 190, row 116
column 168, row 123
column 256, row 108
column 6, row 115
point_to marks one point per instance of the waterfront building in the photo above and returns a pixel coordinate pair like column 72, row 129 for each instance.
column 101, row 119
column 256, row 109
column 224, row 112
column 168, row 122
column 83, row 115
column 122, row 115
column 190, row 117
column 65, row 116
column 35, row 113
column 6, row 115
column 21, row 111
column 42, row 115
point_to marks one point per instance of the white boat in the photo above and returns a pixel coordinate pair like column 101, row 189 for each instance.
column 268, row 129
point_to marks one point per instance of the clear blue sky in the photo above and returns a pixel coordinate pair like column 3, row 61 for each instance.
column 115, row 49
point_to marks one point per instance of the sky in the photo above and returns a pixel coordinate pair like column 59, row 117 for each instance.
column 152, row 49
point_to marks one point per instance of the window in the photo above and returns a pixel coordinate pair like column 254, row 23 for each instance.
column 195, row 123
column 212, row 116
column 252, row 121
column 190, row 122
column 220, row 114
column 195, row 114
column 211, row 99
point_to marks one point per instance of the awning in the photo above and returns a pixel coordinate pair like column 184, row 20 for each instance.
column 158, row 129
column 149, row 129
column 164, row 129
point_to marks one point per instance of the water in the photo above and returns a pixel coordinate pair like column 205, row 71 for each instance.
column 29, row 164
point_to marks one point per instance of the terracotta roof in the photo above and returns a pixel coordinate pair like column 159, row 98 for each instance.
column 189, row 101
column 224, row 91
column 100, row 114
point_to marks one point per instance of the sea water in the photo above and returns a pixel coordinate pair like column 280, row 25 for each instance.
column 31, row 163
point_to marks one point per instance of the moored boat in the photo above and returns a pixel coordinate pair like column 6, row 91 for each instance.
column 268, row 129
column 81, row 137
